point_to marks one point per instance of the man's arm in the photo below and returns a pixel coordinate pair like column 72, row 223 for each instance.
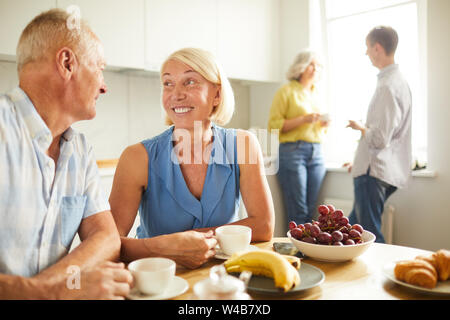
column 100, row 242
column 383, row 120
column 107, row 281
column 17, row 287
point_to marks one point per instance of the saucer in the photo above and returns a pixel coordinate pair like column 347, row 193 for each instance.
column 221, row 255
column 178, row 286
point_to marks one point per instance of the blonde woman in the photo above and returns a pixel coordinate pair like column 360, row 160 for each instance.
column 297, row 115
column 188, row 180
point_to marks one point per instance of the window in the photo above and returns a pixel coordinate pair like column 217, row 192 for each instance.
column 338, row 32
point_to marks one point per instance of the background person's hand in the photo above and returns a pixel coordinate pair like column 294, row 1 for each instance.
column 325, row 123
column 355, row 125
column 311, row 117
column 349, row 166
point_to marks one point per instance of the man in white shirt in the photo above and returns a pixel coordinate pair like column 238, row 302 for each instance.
column 49, row 182
column 383, row 158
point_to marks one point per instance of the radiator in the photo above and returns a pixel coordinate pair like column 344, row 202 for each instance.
column 387, row 219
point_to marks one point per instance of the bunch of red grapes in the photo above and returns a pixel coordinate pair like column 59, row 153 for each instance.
column 332, row 228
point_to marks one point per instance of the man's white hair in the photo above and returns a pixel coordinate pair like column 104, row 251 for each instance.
column 52, row 30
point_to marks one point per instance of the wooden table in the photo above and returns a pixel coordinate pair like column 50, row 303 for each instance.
column 361, row 278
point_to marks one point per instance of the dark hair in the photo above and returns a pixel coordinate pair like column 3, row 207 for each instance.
column 387, row 37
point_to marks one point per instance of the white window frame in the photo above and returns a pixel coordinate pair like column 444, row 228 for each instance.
column 322, row 47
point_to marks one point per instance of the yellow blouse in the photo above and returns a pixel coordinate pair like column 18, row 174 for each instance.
column 290, row 101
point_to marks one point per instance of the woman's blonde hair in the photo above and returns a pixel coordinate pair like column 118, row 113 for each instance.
column 50, row 31
column 207, row 65
column 301, row 62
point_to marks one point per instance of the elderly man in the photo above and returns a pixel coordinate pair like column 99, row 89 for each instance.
column 49, row 182
column 383, row 159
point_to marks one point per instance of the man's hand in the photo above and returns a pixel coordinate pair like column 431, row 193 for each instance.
column 349, row 166
column 108, row 281
column 356, row 125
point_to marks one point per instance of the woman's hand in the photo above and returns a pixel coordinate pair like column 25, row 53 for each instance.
column 290, row 124
column 325, row 123
column 311, row 117
column 190, row 249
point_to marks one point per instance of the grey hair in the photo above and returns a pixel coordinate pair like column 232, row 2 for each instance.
column 301, row 62
column 52, row 30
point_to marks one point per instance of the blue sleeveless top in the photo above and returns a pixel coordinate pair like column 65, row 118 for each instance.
column 168, row 206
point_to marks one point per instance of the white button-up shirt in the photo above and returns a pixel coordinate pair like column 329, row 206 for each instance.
column 386, row 146
column 41, row 206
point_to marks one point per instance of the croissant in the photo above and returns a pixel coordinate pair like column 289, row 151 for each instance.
column 430, row 259
column 440, row 260
column 417, row 272
column 443, row 263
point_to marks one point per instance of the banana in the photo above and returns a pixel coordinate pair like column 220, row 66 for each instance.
column 266, row 263
column 254, row 270
column 294, row 261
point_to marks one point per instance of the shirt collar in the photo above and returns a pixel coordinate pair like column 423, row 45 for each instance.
column 387, row 70
column 68, row 134
column 297, row 84
column 35, row 124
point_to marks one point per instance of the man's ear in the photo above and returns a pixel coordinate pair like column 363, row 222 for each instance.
column 379, row 48
column 66, row 62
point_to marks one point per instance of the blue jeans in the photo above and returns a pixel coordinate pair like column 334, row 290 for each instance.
column 301, row 172
column 370, row 196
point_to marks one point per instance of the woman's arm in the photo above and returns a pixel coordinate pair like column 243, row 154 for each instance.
column 130, row 182
column 254, row 188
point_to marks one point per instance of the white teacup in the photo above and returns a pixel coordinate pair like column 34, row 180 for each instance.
column 233, row 238
column 152, row 275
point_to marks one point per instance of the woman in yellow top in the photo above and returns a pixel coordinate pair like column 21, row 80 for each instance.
column 296, row 114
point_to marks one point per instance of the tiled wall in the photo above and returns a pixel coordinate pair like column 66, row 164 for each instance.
column 130, row 111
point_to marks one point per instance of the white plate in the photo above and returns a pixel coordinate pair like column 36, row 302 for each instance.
column 178, row 286
column 221, row 255
column 310, row 277
column 442, row 287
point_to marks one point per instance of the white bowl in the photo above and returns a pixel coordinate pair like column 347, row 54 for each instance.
column 333, row 253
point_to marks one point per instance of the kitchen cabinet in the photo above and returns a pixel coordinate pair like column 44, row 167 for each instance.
column 120, row 27
column 14, row 17
column 140, row 34
column 242, row 34
column 248, row 42
column 176, row 24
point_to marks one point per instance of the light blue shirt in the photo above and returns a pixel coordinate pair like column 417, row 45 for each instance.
column 386, row 146
column 41, row 208
column 168, row 206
